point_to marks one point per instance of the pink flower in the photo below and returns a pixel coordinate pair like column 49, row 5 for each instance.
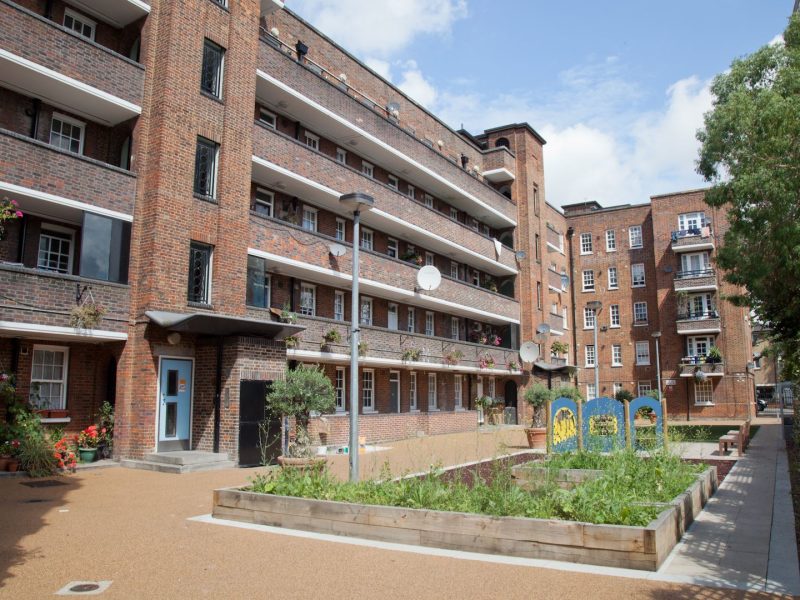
column 19, row 214
column 14, row 203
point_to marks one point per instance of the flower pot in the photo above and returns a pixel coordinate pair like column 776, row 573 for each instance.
column 4, row 460
column 291, row 462
column 87, row 454
column 537, row 437
column 13, row 465
column 59, row 414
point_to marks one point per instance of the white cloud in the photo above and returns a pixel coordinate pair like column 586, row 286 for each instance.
column 381, row 67
column 416, row 86
column 374, row 28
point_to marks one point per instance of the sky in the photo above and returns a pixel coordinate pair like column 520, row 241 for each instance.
column 618, row 88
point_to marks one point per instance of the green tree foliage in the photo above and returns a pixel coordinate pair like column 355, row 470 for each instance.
column 304, row 390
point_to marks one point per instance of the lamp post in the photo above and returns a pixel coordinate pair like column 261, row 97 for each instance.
column 355, row 202
column 657, row 335
column 596, row 305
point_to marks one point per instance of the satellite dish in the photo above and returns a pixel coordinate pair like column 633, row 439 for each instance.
column 520, row 255
column 429, row 278
column 543, row 328
column 337, row 250
column 529, row 352
column 393, row 107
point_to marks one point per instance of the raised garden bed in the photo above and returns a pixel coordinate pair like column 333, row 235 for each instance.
column 531, row 476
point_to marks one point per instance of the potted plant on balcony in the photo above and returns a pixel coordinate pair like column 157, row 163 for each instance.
column 291, row 341
column 363, row 348
column 332, row 336
column 557, row 348
column 714, row 356
column 303, row 390
column 9, row 211
column 453, row 357
column 537, row 396
column 412, row 257
column 287, row 316
column 411, row 354
column 86, row 315
column 486, row 361
column 490, row 284
column 512, row 365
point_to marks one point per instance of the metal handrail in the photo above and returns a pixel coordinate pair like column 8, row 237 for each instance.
column 695, row 316
column 693, row 232
column 688, row 274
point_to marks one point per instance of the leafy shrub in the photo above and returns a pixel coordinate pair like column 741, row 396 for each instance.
column 36, row 456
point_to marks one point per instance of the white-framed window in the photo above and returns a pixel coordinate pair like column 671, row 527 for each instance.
column 637, row 275
column 81, row 25
column 455, row 328
column 411, row 191
column 564, row 317
column 411, row 320
column 453, row 269
column 699, row 345
column 643, row 353
column 310, row 218
column 341, row 389
column 341, row 156
column 429, row 323
column 704, row 393
column 591, row 392
column 392, row 316
column 454, row 213
column 67, row 133
column 312, row 140
column 368, row 390
column 49, row 377
column 392, row 248
column 635, row 236
column 691, row 221
column 492, row 387
column 212, row 70
column 55, row 249
column 367, row 169
column 341, row 227
column 640, row 312
column 617, row 387
column 586, row 243
column 429, row 259
column 458, row 394
column 433, row 400
column 611, row 240
column 338, row 305
column 695, row 264
column 613, row 281
column 394, row 182
column 588, row 318
column 366, row 311
column 700, row 306
column 428, row 200
column 308, row 299
column 367, row 237
column 588, row 280
column 412, row 391
column 268, row 118
column 265, row 202
column 591, row 357
column 642, row 387
column 614, row 315
column 479, row 387
column 616, row 355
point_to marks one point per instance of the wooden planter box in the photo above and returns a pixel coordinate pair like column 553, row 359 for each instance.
column 531, row 476
column 642, row 548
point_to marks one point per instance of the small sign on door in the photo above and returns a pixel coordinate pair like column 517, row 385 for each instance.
column 181, row 386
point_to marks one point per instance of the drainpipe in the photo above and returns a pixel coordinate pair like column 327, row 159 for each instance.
column 570, row 234
column 218, row 394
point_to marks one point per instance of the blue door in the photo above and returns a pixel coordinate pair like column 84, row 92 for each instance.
column 175, row 404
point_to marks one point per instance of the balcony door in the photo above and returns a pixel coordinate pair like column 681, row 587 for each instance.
column 694, row 264
column 393, row 323
column 701, row 305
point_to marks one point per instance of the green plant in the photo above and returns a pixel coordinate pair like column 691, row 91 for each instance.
column 566, row 391
column 538, row 395
column 558, row 347
column 89, row 437
column 287, row 316
column 453, row 357
column 714, row 355
column 623, row 395
column 411, row 354
column 9, row 211
column 332, row 336
column 36, row 456
column 484, row 402
column 86, row 316
column 105, row 420
column 653, row 394
column 363, row 348
column 291, row 341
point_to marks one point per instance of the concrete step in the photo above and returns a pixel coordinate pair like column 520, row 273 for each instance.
column 187, row 457
column 167, row 467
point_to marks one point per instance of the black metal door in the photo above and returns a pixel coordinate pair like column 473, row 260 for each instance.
column 259, row 438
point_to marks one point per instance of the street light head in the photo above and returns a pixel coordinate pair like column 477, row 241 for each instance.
column 357, row 201
column 656, row 334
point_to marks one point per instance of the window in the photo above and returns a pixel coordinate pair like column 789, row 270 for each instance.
column 616, row 355
column 635, row 236
column 536, row 199
column 312, row 141
column 588, row 318
column 411, row 192
column 338, row 305
column 429, row 323
column 433, row 403
column 341, row 156
column 537, row 249
column 611, row 240
column 340, row 388
column 640, row 312
column 392, row 316
column 367, row 169
column 590, row 355
column 366, row 236
column 617, row 388
column 200, row 273
column 453, row 269
column 55, row 249
column 107, row 256
column 614, row 312
column 308, row 299
column 455, row 328
column 703, row 393
column 340, row 229
column 309, row 218
column 267, row 118
column 588, row 281
column 428, row 199
column 695, row 265
column 538, row 295
column 457, row 391
column 394, row 182
column 49, row 377
column 205, row 168
column 412, row 392
column 411, row 320
column 613, row 282
column 591, row 392
column 476, row 278
column 698, row 345
column 586, row 243
column 258, row 283
column 222, row 3
column 67, row 133
column 429, row 260
column 366, row 311
column 637, row 275
column 701, row 306
column 474, row 224
column 79, row 24
column 454, row 213
column 368, row 390
column 265, row 202
column 643, row 353
column 691, row 221
column 492, row 388
column 643, row 387
column 211, row 73
column 391, row 247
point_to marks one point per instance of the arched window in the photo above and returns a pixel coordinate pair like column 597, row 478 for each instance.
column 502, row 142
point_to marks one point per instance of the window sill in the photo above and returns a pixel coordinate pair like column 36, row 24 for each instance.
column 365, row 411
column 56, row 420
column 430, row 410
column 204, row 198
column 610, row 251
column 613, row 289
column 638, row 286
column 644, row 324
column 643, row 364
column 704, row 404
column 200, row 305
column 617, row 365
column 591, row 291
column 414, row 411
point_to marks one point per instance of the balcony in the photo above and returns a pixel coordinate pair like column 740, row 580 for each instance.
column 698, row 322
column 695, row 364
column 499, row 165
column 66, row 70
column 691, row 240
column 376, row 137
column 554, row 281
column 118, row 13
column 703, row 280
column 556, row 323
column 300, row 171
column 554, row 240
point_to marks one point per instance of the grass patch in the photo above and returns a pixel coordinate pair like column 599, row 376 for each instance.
column 689, row 433
column 621, row 496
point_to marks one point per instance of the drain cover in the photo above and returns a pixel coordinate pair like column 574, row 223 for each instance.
column 82, row 588
column 43, row 483
column 35, row 501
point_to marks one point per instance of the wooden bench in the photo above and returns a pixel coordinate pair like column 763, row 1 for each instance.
column 738, row 437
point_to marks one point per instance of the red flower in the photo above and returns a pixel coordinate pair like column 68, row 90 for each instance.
column 103, row 430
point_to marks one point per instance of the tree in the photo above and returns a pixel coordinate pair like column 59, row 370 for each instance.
column 750, row 151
